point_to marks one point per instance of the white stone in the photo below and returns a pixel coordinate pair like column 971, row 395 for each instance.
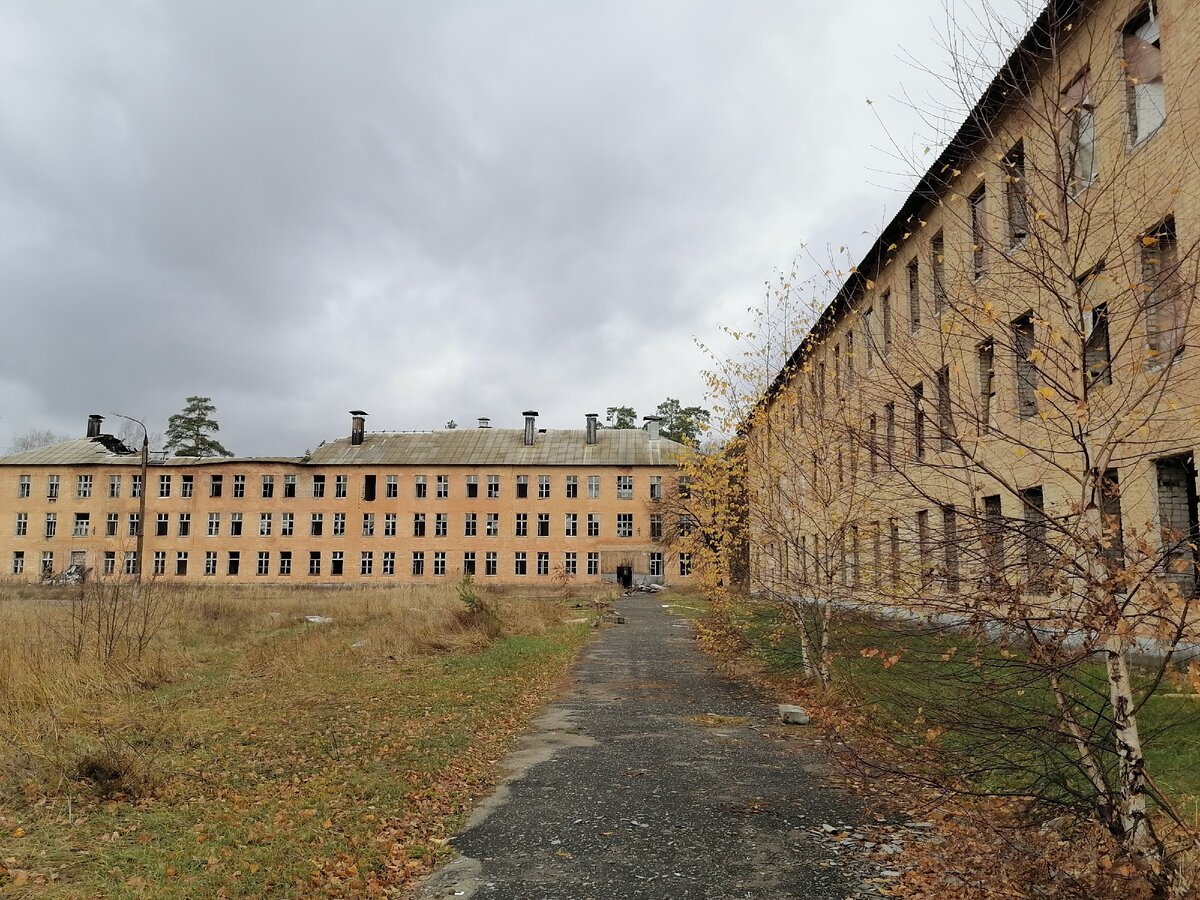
column 793, row 715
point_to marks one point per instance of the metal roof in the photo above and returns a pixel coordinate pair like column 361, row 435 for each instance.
column 503, row 447
column 455, row 447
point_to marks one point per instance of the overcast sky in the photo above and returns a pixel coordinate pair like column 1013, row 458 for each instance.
column 430, row 211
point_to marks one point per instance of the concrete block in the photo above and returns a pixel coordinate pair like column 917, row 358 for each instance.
column 793, row 715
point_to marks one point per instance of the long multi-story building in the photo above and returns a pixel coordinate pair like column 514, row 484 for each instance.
column 503, row 505
column 1008, row 379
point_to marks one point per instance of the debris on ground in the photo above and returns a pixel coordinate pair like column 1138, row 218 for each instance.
column 318, row 620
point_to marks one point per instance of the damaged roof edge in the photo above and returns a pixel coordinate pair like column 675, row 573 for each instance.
column 1027, row 55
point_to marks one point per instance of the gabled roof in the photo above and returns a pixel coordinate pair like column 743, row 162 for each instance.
column 455, row 447
column 503, row 447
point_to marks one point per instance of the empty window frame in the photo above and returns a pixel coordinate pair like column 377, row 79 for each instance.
column 937, row 271
column 443, row 487
column 1081, row 162
column 472, row 487
column 1178, row 520
column 913, row 273
column 986, row 367
column 1036, row 550
column 950, row 547
column 624, row 487
column 522, row 487
column 1112, row 539
column 992, row 538
column 285, row 562
column 1146, row 95
column 1165, row 297
column 1016, row 200
column 572, row 487
column 918, row 420
column 1024, row 341
column 885, row 313
column 978, row 203
column 490, row 564
column 945, row 411
column 341, row 485
column 186, row 485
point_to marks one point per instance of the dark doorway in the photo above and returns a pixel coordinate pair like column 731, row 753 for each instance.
column 625, row 576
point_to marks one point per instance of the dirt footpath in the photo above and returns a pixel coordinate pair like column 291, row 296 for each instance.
column 654, row 777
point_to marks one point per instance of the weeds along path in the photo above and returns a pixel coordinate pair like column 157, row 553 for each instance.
column 654, row 777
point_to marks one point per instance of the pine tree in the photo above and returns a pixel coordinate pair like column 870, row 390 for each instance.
column 189, row 431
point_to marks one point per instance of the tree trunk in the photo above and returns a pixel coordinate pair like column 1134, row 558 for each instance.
column 797, row 609
column 823, row 667
column 1137, row 832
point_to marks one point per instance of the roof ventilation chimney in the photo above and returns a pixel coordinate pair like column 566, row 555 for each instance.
column 591, row 427
column 652, row 426
column 358, row 427
column 94, row 421
column 530, row 418
column 485, row 422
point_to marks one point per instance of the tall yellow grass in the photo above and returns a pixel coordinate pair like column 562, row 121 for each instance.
column 56, row 708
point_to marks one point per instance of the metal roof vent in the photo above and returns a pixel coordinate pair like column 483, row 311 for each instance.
column 530, row 429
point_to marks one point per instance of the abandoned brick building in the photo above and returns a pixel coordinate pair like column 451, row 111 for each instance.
column 503, row 505
column 1022, row 331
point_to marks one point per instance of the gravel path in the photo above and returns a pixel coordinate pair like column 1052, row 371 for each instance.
column 655, row 777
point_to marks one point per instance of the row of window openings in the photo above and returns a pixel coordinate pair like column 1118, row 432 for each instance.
column 843, row 562
column 337, row 563
column 84, row 486
column 1165, row 318
column 287, row 525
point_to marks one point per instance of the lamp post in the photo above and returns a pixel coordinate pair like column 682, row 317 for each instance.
column 141, row 529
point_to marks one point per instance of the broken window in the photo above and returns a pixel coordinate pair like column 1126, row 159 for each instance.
column 210, row 562
column 235, row 523
column 369, row 487
column 439, row 562
column 1097, row 356
column 443, row 486
column 1027, row 374
column 181, row 562
column 945, row 413
column 164, row 485
column 339, row 524
column 1113, row 540
column 492, row 525
column 656, row 564
column 234, row 562
column 82, row 524
column 1036, row 552
column 656, row 529
column 391, row 486
column 978, row 231
column 1015, row 194
column 287, row 524
column 162, row 522
column 571, row 525
column 340, row 485
column 239, row 485
column 1142, row 48
column 470, row 525
column 914, row 294
column 289, row 486
column 316, row 524
column 493, row 486
column 987, row 384
column 869, row 338
column 543, row 525
column 490, row 564
column 950, row 547
column 469, row 562
column 24, row 485
column 543, row 487
column 889, row 425
column 593, row 525
column 924, row 551
column 264, row 562
column 1081, row 133
column 83, row 486
column 215, row 484
column 1166, row 299
column 1178, row 520
column 366, row 562
column 268, row 486
column 522, row 486
column 418, row 562
column 420, row 488
column 885, row 311
column 572, row 487
column 388, row 564
column 624, row 525
column 624, row 487
column 522, row 525
column 918, row 420
column 520, row 563
column 937, row 265
column 992, row 537
column 418, row 524
column 318, row 486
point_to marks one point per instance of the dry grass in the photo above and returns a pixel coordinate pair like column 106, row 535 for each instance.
column 44, row 689
column 79, row 730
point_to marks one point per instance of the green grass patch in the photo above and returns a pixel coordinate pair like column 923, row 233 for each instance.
column 920, row 685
